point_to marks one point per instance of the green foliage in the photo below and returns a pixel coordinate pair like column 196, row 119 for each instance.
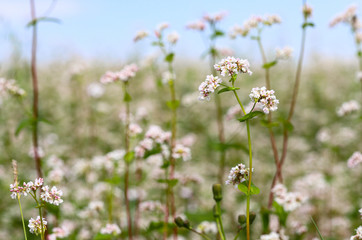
column 243, row 187
column 173, row 105
column 250, row 116
column 227, row 89
column 129, row 157
column 308, row 24
column 42, row 19
column 169, row 57
column 281, row 213
column 270, row 64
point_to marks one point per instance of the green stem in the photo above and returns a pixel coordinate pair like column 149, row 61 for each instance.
column 219, row 222
column 250, row 168
column 238, row 234
column 22, row 217
column 200, row 234
column 40, row 215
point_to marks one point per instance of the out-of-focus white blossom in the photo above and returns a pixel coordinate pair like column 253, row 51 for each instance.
column 270, row 236
column 216, row 17
column 140, row 35
column 95, row 90
column 307, row 10
column 167, row 77
column 207, row 227
column 151, row 206
column 197, row 25
column 288, row 200
column 59, row 232
column 284, row 53
column 266, row 97
column 9, row 86
column 354, row 160
column 40, row 152
column 134, row 129
column 112, row 229
column 128, row 72
column 181, row 152
column 348, row 108
column 345, row 17
column 358, row 235
column 173, row 37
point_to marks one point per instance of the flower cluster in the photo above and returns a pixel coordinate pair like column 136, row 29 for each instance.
column 134, row 129
column 254, row 22
column 354, row 160
column 197, row 25
column 307, row 10
column 288, row 200
column 265, row 97
column 140, row 35
column 207, row 227
column 167, row 77
column 231, row 66
column 128, row 72
column 274, row 236
column 52, row 196
column 348, row 108
column 111, row 229
column 347, row 17
column 173, row 37
column 284, row 53
column 358, row 235
column 27, row 187
column 151, row 206
column 35, row 225
column 180, row 151
column 238, row 174
column 213, row 18
column 59, row 232
column 208, row 86
column 9, row 86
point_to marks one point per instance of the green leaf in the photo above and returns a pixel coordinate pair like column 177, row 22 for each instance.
column 165, row 164
column 270, row 64
column 173, row 104
column 129, row 157
column 254, row 190
column 213, row 52
column 359, row 53
column 28, row 122
column 156, row 43
column 116, row 180
column 282, row 214
column 42, row 19
column 102, row 237
column 169, row 57
column 217, row 33
column 170, row 182
column 307, row 24
column 160, row 226
column 243, row 187
column 250, row 116
column 127, row 97
column 227, row 89
column 289, row 126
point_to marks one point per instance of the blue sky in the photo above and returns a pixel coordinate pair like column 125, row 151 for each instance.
column 105, row 29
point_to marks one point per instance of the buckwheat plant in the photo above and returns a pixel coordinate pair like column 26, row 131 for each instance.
column 214, row 33
column 258, row 24
column 239, row 176
column 41, row 194
column 166, row 46
column 123, row 76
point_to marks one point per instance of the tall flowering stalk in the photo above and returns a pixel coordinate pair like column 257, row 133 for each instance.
column 173, row 104
column 128, row 72
column 212, row 51
column 265, row 99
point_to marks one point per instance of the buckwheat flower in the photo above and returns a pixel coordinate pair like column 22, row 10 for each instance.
column 265, row 97
column 134, row 129
column 112, row 229
column 271, row 19
column 345, row 17
column 307, row 10
column 37, row 184
column 348, row 108
column 358, row 235
column 173, row 37
column 96, row 206
column 207, row 227
column 39, row 150
column 95, row 90
column 116, row 155
column 253, row 22
column 108, row 77
column 15, row 190
column 298, row 228
column 270, row 236
column 167, row 77
column 230, row 66
column 181, row 152
column 237, row 175
column 162, row 26
column 359, row 37
column 128, row 72
column 288, row 200
column 59, row 232
column 157, row 134
column 35, row 225
column 10, row 87
column 213, row 18
column 279, row 189
column 238, row 30
column 151, row 206
column 360, row 212
column 197, row 25
column 140, row 35
column 354, row 160
column 208, row 86
column 186, row 192
column 52, row 196
column 284, row 53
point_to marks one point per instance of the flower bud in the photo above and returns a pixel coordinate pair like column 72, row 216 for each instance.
column 252, row 217
column 182, row 223
column 242, row 220
column 217, row 192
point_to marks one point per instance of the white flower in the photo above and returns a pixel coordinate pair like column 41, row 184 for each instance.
column 162, row 26
column 35, row 225
column 207, row 227
column 140, row 35
column 52, row 196
column 354, row 160
column 182, row 152
column 134, row 129
column 151, row 206
column 307, row 10
column 173, row 37
column 348, row 108
column 128, row 72
column 230, row 66
column 167, row 77
column 95, row 90
column 270, row 236
column 358, row 235
column 288, row 200
column 111, row 229
column 237, row 175
column 216, row 17
column 208, row 86
column 265, row 97
column 284, row 53
column 197, row 25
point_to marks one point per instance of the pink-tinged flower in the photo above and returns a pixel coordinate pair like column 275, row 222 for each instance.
column 307, row 10
column 134, row 129
column 197, row 25
column 348, row 108
column 288, row 200
column 284, row 53
column 237, row 175
column 112, row 229
column 265, row 97
column 347, row 16
column 354, row 160
column 157, row 134
column 162, row 26
column 358, row 235
column 128, row 72
column 213, row 18
column 15, row 190
column 231, row 66
column 52, row 196
column 140, row 35
column 182, row 152
column 173, row 37
column 238, row 30
column 208, row 86
column 11, row 87
column 271, row 19
column 151, row 206
column 59, row 232
column 35, row 226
